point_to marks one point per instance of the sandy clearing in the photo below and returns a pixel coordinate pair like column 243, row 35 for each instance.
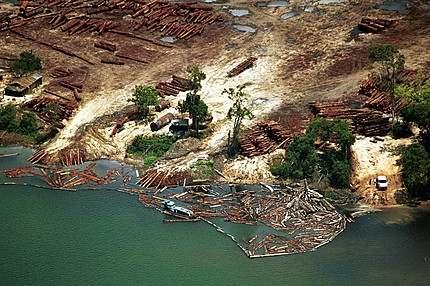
column 372, row 158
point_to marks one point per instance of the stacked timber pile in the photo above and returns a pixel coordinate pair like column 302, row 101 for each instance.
column 72, row 79
column 265, row 137
column 105, row 45
column 65, row 178
column 247, row 64
column 375, row 25
column 380, row 100
column 298, row 219
column 181, row 20
column 161, row 178
column 72, row 156
column 52, row 109
column 364, row 121
column 173, row 87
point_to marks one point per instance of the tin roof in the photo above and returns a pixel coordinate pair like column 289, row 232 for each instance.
column 26, row 81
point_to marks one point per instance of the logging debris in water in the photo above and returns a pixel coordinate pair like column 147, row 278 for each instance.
column 296, row 219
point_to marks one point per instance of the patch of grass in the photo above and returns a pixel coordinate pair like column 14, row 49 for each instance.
column 150, row 148
column 203, row 169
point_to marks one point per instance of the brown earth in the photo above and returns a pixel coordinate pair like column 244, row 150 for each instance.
column 311, row 56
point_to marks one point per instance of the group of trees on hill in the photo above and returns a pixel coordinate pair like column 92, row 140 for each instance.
column 303, row 158
column 12, row 122
column 415, row 158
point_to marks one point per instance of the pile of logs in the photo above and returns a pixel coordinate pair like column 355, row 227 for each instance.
column 71, row 156
column 131, row 114
column 173, row 87
column 380, row 100
column 309, row 220
column 247, row 64
column 52, row 109
column 38, row 156
column 161, row 122
column 105, row 45
column 375, row 25
column 64, row 178
column 364, row 121
column 71, row 79
column 265, row 137
column 182, row 20
column 162, row 178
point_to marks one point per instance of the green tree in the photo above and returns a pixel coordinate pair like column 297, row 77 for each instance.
column 28, row 124
column 26, row 63
column 143, row 97
column 392, row 62
column 8, row 120
column 193, row 104
column 415, row 162
column 302, row 160
column 239, row 111
column 418, row 110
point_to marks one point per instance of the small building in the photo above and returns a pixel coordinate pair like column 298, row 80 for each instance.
column 24, row 85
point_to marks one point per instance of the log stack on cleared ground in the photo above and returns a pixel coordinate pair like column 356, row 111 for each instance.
column 380, row 100
column 363, row 121
column 168, row 18
column 247, row 64
column 266, row 136
column 173, row 87
column 375, row 25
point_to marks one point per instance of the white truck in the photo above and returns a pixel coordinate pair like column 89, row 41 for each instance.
column 382, row 182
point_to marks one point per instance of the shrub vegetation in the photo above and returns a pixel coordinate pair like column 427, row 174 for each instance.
column 26, row 63
column 150, row 148
column 302, row 160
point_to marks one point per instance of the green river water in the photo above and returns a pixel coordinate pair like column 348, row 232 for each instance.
column 108, row 238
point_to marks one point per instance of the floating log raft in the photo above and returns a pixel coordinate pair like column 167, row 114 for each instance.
column 65, row 178
column 162, row 178
column 307, row 219
column 72, row 156
column 247, row 64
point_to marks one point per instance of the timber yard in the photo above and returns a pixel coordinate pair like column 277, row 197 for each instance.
column 297, row 60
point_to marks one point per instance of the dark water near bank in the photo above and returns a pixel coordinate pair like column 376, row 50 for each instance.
column 107, row 238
